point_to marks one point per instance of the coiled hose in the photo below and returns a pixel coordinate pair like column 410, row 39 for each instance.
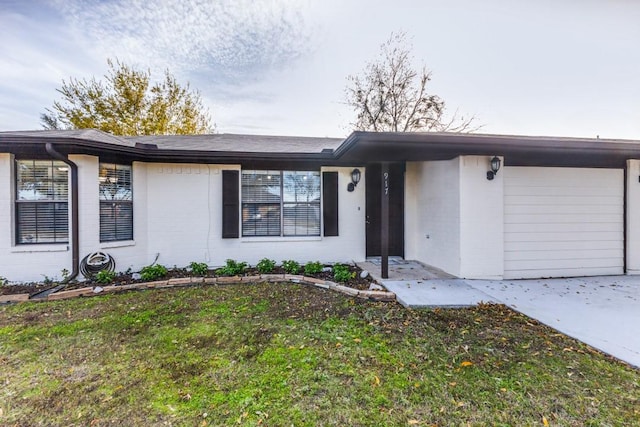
column 96, row 262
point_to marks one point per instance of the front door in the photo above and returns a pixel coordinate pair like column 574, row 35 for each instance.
column 396, row 209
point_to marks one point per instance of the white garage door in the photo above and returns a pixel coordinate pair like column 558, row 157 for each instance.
column 562, row 222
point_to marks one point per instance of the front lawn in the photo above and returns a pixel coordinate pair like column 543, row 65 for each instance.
column 286, row 354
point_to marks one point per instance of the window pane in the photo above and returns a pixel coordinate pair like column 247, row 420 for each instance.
column 115, row 182
column 116, row 202
column 302, row 219
column 260, row 219
column 42, row 222
column 261, row 186
column 41, row 180
column 116, row 221
column 301, row 186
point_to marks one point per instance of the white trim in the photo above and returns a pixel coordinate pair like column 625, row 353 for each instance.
column 117, row 244
column 36, row 247
column 249, row 239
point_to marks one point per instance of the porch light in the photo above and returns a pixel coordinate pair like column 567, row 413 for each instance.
column 495, row 167
column 355, row 179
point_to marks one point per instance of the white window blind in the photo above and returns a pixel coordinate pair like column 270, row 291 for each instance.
column 116, row 202
column 42, row 208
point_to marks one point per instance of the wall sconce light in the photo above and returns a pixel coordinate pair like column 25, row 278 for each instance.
column 495, row 167
column 355, row 179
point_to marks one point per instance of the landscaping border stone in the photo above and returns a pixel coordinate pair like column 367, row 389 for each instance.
column 375, row 295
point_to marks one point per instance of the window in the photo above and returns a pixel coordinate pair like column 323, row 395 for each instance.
column 116, row 202
column 42, row 207
column 280, row 203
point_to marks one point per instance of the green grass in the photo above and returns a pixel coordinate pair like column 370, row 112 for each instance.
column 281, row 355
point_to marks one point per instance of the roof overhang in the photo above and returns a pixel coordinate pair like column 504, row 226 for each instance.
column 517, row 150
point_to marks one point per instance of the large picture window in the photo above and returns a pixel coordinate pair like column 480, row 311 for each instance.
column 42, row 207
column 280, row 203
column 116, row 202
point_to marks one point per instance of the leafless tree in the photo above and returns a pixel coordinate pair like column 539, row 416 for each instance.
column 391, row 96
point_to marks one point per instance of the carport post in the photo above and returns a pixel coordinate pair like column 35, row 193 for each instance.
column 384, row 222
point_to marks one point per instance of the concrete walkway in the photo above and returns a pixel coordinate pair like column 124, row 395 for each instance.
column 603, row 312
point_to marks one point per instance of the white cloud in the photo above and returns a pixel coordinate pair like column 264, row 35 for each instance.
column 233, row 40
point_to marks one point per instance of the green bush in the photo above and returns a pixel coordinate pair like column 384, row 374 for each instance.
column 265, row 266
column 105, row 276
column 312, row 268
column 290, row 266
column 341, row 273
column 232, row 268
column 152, row 272
column 3, row 281
column 199, row 268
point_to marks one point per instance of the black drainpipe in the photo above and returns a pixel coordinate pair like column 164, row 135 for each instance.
column 75, row 250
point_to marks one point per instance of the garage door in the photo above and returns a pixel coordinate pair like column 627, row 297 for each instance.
column 563, row 222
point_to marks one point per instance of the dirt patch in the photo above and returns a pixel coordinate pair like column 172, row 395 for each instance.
column 31, row 288
column 356, row 282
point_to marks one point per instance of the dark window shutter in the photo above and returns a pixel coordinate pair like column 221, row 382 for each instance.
column 330, row 203
column 230, row 204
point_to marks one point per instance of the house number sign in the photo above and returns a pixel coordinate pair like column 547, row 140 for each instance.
column 386, row 183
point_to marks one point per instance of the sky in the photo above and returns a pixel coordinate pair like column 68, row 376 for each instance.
column 280, row 67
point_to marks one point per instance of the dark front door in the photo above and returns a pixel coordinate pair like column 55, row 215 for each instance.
column 396, row 209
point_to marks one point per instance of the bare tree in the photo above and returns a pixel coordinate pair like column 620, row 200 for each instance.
column 391, row 96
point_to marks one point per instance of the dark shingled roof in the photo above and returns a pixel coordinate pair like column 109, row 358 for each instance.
column 239, row 143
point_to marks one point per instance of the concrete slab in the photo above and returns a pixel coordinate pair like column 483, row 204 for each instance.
column 436, row 293
column 603, row 312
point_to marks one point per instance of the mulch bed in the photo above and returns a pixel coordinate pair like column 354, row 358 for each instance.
column 126, row 279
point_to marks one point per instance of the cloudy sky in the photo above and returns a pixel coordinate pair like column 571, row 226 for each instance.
column 535, row 67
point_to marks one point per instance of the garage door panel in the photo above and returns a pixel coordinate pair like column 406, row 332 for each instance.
column 531, row 176
column 533, row 209
column 563, row 245
column 594, row 255
column 563, row 222
column 556, row 191
column 585, row 227
column 551, row 201
column 558, row 237
column 565, row 218
column 565, row 263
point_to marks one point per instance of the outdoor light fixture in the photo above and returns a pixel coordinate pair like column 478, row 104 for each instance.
column 495, row 167
column 355, row 179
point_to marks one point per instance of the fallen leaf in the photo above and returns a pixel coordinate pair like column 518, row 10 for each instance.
column 545, row 422
column 413, row 422
column 376, row 380
column 466, row 363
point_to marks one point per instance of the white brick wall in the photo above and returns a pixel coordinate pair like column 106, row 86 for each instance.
column 178, row 215
column 454, row 216
column 432, row 232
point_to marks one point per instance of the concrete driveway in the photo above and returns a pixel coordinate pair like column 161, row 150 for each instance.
column 603, row 312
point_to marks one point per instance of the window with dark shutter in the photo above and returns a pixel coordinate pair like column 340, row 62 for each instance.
column 280, row 203
column 330, row 203
column 230, row 204
column 42, row 208
column 116, row 202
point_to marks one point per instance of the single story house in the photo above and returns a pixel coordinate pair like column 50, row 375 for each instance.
column 473, row 205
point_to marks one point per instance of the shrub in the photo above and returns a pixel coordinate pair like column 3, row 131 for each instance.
column 290, row 266
column 3, row 281
column 341, row 273
column 105, row 276
column 232, row 268
column 152, row 272
column 265, row 266
column 312, row 268
column 199, row 268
